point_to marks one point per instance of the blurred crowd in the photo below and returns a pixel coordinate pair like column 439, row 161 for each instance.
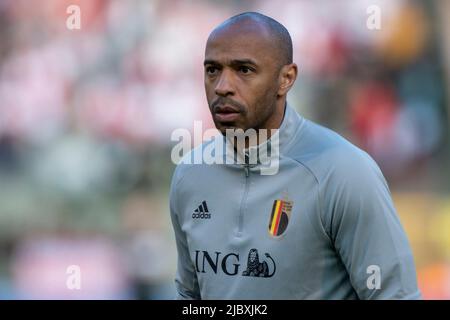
column 86, row 117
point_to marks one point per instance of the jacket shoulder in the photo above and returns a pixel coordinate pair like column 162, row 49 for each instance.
column 327, row 154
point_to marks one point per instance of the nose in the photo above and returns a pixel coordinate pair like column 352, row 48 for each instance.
column 224, row 86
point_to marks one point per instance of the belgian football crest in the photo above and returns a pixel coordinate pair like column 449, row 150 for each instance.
column 279, row 218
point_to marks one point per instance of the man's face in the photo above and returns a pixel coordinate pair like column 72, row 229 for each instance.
column 241, row 78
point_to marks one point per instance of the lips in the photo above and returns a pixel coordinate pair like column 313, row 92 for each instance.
column 226, row 113
column 226, row 109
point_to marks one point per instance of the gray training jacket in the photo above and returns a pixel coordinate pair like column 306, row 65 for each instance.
column 323, row 227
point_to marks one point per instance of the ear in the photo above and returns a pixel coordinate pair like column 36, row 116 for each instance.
column 287, row 77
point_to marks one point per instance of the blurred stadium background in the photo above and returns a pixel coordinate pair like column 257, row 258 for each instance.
column 86, row 117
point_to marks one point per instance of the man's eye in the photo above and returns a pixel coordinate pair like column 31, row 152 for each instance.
column 211, row 70
column 245, row 70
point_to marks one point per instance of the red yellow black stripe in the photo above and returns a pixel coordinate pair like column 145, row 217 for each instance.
column 275, row 217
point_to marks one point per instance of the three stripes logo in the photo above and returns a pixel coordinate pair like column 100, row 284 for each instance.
column 279, row 218
column 201, row 212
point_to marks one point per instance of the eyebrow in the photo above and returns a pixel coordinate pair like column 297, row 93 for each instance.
column 232, row 62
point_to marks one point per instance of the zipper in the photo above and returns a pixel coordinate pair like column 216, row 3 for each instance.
column 245, row 195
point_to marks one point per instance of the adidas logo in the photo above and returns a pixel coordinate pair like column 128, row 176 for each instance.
column 201, row 212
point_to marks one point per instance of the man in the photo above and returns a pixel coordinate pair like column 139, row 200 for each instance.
column 322, row 227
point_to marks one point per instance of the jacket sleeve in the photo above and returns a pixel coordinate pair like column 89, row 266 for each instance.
column 186, row 278
column 367, row 233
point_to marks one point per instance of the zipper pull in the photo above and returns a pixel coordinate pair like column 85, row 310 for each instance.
column 247, row 170
column 247, row 164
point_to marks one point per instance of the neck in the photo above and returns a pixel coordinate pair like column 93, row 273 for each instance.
column 274, row 122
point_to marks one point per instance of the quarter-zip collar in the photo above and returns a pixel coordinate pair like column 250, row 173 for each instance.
column 277, row 145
